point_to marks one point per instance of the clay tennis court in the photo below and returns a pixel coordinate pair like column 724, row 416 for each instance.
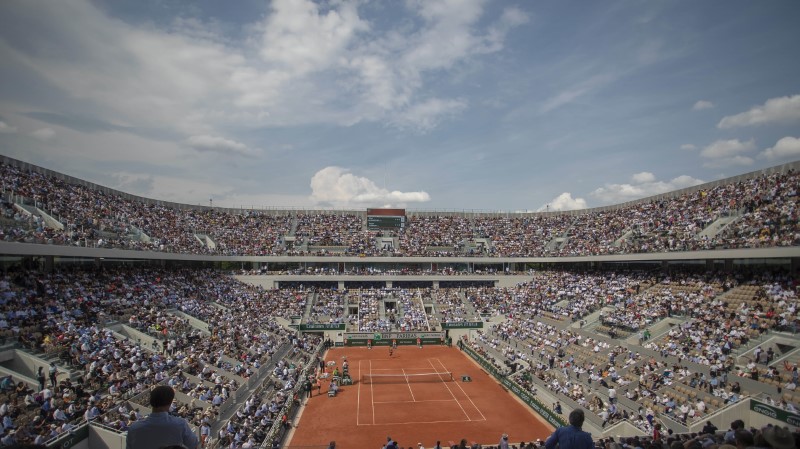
column 412, row 398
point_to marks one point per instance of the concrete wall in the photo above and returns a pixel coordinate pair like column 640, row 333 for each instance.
column 194, row 322
column 133, row 334
column 21, row 366
column 266, row 282
column 100, row 438
column 24, row 363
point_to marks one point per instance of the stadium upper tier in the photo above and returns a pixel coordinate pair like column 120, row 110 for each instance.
column 751, row 211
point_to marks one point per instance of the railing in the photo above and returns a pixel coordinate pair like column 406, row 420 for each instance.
column 275, row 434
column 71, row 438
column 515, row 388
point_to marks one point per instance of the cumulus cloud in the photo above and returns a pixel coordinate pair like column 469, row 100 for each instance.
column 299, row 37
column 688, row 147
column 6, row 128
column 727, row 148
column 642, row 185
column 44, row 133
column 338, row 187
column 565, row 201
column 702, row 104
column 786, row 148
column 775, row 110
column 727, row 153
column 643, row 177
column 216, row 144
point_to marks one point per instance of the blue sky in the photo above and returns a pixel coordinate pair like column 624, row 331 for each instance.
column 423, row 104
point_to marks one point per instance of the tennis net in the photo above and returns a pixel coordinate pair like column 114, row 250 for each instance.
column 407, row 378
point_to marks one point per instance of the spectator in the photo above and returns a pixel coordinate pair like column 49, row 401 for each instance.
column 730, row 435
column 53, row 374
column 571, row 436
column 159, row 428
column 503, row 442
column 778, row 437
column 461, row 444
column 743, row 438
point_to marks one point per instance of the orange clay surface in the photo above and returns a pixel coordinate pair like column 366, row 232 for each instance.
column 362, row 415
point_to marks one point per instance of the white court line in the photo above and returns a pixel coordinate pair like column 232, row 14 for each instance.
column 451, row 393
column 419, row 422
column 462, row 390
column 418, row 402
column 372, row 394
column 409, row 387
column 427, row 371
column 358, row 404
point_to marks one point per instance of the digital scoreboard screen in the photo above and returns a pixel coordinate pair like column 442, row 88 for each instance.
column 386, row 219
column 385, row 222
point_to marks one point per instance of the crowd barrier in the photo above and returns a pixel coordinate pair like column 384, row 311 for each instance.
column 515, row 388
column 71, row 438
column 277, row 431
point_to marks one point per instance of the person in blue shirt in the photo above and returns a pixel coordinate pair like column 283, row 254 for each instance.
column 160, row 428
column 571, row 436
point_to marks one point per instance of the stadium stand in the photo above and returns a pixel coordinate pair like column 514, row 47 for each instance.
column 757, row 211
column 674, row 342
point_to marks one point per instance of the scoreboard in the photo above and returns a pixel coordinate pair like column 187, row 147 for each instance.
column 385, row 222
column 386, row 219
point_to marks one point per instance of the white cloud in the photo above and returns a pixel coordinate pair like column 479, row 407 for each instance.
column 727, row 148
column 44, row 133
column 574, row 92
column 390, row 70
column 262, row 200
column 775, row 110
column 427, row 115
column 195, row 191
column 135, row 183
column 688, row 147
column 643, row 177
column 565, row 201
column 172, row 188
column 301, row 39
column 644, row 184
column 787, row 147
column 216, row 144
column 160, row 169
column 732, row 161
column 728, row 153
column 337, row 187
column 6, row 128
column 303, row 63
column 702, row 104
